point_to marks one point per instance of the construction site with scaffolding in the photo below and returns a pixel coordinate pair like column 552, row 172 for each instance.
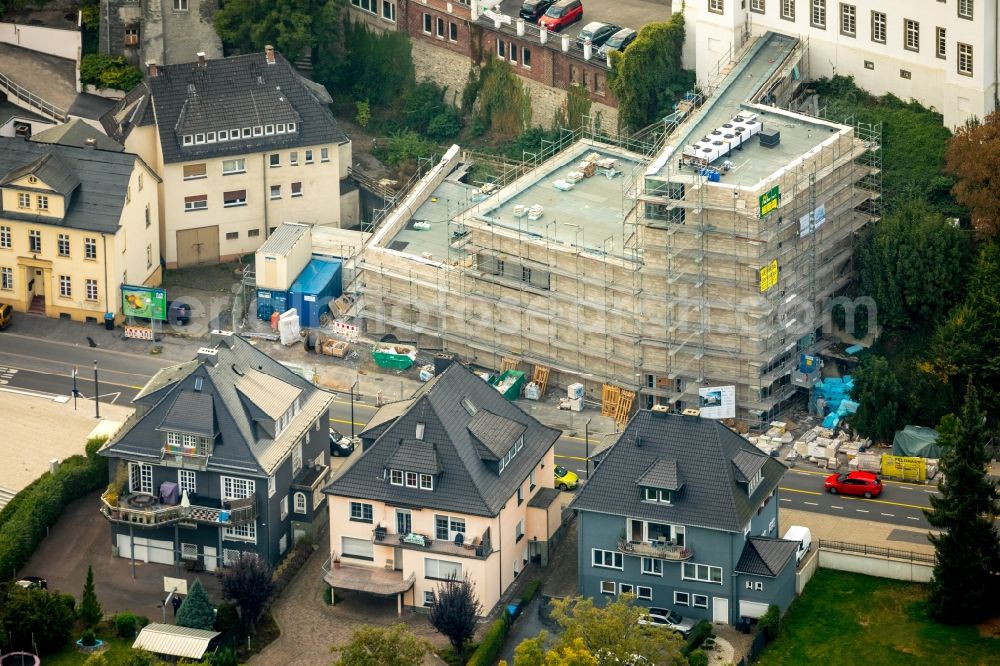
column 701, row 253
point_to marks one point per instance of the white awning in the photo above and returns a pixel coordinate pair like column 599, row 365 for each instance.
column 175, row 641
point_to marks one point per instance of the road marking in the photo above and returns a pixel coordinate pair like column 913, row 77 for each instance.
column 811, row 503
column 862, row 510
column 345, row 422
column 891, row 515
column 81, row 378
column 785, row 499
column 912, row 518
column 906, row 506
column 796, row 490
column 571, row 457
column 834, row 506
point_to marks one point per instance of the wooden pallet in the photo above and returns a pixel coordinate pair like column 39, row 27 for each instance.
column 541, row 377
column 610, row 397
column 624, row 407
column 507, row 364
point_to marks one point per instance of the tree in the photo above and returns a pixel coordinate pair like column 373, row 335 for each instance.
column 366, row 65
column 973, row 157
column 90, row 609
column 248, row 583
column 647, row 78
column 502, row 105
column 911, row 263
column 571, row 653
column 196, row 612
column 882, row 408
column 455, row 611
column 382, row 646
column 967, row 563
column 37, row 615
column 291, row 26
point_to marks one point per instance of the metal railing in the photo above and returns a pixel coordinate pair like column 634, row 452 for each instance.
column 665, row 551
column 25, row 95
column 480, row 546
column 157, row 514
column 880, row 551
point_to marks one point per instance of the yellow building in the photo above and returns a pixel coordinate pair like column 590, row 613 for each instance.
column 75, row 224
column 242, row 144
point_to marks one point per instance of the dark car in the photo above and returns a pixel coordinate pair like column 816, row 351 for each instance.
column 561, row 14
column 597, row 33
column 532, row 10
column 340, row 445
column 617, row 41
column 178, row 313
column 865, row 484
column 33, row 582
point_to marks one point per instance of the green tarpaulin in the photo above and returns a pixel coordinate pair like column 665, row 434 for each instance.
column 916, row 442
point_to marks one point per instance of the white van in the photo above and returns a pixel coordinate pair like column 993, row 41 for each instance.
column 803, row 536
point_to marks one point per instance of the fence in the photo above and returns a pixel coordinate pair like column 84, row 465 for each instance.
column 879, row 551
column 33, row 100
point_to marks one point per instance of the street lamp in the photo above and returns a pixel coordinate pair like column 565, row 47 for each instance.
column 586, row 439
column 97, row 395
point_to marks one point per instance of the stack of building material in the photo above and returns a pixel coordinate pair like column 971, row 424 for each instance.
column 535, row 212
column 288, row 327
column 563, row 185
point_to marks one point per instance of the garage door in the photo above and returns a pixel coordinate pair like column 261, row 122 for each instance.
column 147, row 550
column 753, row 609
column 198, row 246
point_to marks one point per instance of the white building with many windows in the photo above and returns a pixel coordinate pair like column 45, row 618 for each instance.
column 942, row 53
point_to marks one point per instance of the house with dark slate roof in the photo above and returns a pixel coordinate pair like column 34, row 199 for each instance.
column 242, row 144
column 225, row 453
column 75, row 223
column 682, row 513
column 456, row 481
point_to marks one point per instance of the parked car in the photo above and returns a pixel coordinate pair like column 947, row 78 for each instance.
column 865, row 484
column 6, row 315
column 532, row 10
column 597, row 33
column 33, row 582
column 340, row 445
column 662, row 617
column 565, row 479
column 178, row 313
column 617, row 41
column 562, row 14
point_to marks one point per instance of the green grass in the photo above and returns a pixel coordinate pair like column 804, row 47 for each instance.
column 849, row 618
column 69, row 656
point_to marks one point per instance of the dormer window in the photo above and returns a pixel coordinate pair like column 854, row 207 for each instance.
column 755, row 481
column 223, row 135
column 426, row 482
column 258, row 131
column 268, row 129
column 199, row 138
column 247, row 132
column 657, row 495
column 518, row 445
column 398, row 477
column 188, row 140
column 281, row 128
column 291, row 127
column 23, row 200
column 186, row 445
column 211, row 137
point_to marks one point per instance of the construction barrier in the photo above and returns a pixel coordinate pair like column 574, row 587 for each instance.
column 908, row 469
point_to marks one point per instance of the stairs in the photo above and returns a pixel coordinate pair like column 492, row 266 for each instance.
column 37, row 305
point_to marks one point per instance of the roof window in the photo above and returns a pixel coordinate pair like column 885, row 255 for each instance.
column 420, row 431
column 469, row 407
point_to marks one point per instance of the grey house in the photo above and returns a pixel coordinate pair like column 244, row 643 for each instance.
column 225, row 453
column 682, row 513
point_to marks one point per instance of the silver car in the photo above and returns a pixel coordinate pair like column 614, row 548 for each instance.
column 662, row 617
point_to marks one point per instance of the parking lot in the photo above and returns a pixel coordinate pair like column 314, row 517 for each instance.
column 624, row 13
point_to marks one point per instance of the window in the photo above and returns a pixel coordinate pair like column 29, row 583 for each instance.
column 361, row 512
column 699, row 600
column 532, row 479
column 878, row 27
column 223, row 135
column 324, row 154
column 189, row 551
column 23, row 200
column 193, row 171
column 43, row 202
column 389, row 10
column 442, row 569
column 607, row 559
column 274, row 160
column 309, row 157
column 140, row 182
column 644, row 592
column 297, row 457
column 652, row 566
column 446, row 527
column 904, row 74
column 284, row 507
column 65, row 287
column 299, row 502
column 755, row 481
column 5, row 237
column 140, row 478
column 188, row 139
column 396, row 477
column 296, row 189
column 180, row 5
column 869, row 64
column 682, row 599
column 965, row 59
column 453, row 32
column 253, row 233
column 148, row 220
column 90, row 248
column 701, row 572
column 199, row 138
column 440, row 27
column 131, row 36
column 419, row 431
column 848, row 20
column 187, row 481
column 608, row 587
column 940, row 43
column 526, row 58
column 34, row 241
column 243, row 532
column 197, row 202
column 501, row 49
column 426, row 482
column 788, row 10
column 272, row 486
column 63, row 245
column 519, row 531
column 234, row 198
column 235, row 488
column 965, row 9
column 268, row 130
column 276, row 191
column 428, row 594
column 6, row 278
column 656, row 495
column 258, row 131
column 911, row 35
column 513, row 52
column 715, row 6
column 427, row 23
column 757, row 6
column 411, row 479
column 626, row 588
column 247, row 132
column 817, row 18
column 91, row 289
column 234, row 166
column 293, row 158
column 149, row 255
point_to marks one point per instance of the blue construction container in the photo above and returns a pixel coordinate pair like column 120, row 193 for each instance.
column 269, row 301
column 314, row 288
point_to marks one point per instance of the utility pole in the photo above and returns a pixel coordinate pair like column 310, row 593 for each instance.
column 97, row 395
column 586, row 439
column 353, row 386
column 75, row 391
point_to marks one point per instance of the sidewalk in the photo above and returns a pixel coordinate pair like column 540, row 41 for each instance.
column 853, row 530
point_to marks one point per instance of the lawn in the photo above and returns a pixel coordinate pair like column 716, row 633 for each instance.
column 69, row 656
column 850, row 618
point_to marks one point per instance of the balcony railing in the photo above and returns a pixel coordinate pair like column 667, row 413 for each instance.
column 657, row 550
column 480, row 547
column 148, row 511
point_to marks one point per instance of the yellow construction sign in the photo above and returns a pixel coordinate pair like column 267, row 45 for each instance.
column 902, row 467
column 768, row 276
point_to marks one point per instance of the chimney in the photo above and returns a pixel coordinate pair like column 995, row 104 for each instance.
column 543, row 34
column 520, row 27
column 90, row 143
column 691, row 412
column 565, row 43
column 201, row 58
column 151, row 68
column 269, row 53
column 208, row 355
column 588, row 50
column 218, row 337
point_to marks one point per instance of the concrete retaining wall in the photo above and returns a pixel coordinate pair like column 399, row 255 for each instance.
column 873, row 565
column 54, row 41
column 806, row 571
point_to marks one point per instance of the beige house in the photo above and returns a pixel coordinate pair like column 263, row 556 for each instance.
column 75, row 224
column 242, row 144
column 454, row 482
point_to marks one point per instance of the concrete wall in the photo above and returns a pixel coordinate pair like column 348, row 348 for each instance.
column 873, row 565
column 809, row 565
column 54, row 41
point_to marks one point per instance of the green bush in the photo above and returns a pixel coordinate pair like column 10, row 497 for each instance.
column 69, row 601
column 88, row 638
column 489, row 649
column 124, row 624
column 770, row 622
column 701, row 631
column 698, row 658
column 227, row 618
column 108, row 71
column 404, row 147
column 530, row 592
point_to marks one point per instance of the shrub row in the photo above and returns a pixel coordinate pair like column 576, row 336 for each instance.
column 530, row 593
column 701, row 631
column 288, row 567
column 489, row 649
column 770, row 622
column 108, row 71
column 26, row 519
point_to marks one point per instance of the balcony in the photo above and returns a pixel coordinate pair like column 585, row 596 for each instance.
column 147, row 511
column 185, row 457
column 370, row 579
column 660, row 550
column 477, row 547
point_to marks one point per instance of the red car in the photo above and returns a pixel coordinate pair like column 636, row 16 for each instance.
column 562, row 14
column 866, row 484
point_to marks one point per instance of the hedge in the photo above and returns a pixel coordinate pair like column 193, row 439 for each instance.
column 489, row 649
column 108, row 71
column 770, row 622
column 530, row 593
column 698, row 634
column 25, row 520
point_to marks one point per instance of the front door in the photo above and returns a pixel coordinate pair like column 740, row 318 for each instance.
column 720, row 610
column 404, row 521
